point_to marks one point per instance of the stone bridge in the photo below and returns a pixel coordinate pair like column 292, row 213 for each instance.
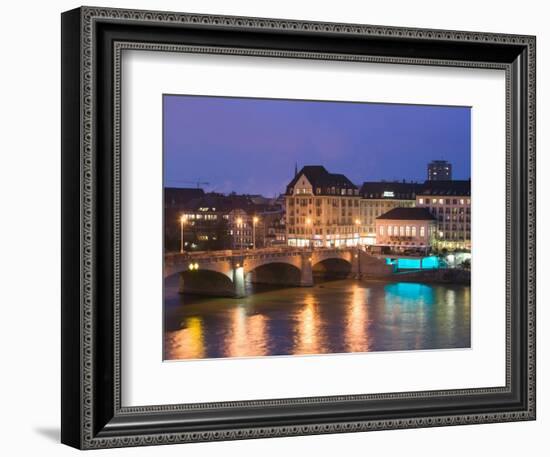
column 223, row 273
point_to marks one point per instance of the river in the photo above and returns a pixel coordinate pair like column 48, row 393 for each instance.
column 332, row 317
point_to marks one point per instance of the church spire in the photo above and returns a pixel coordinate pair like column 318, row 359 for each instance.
column 295, row 169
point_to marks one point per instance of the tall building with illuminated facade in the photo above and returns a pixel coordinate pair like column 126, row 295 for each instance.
column 450, row 203
column 322, row 209
column 440, row 170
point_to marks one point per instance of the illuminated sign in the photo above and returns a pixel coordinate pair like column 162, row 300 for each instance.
column 388, row 193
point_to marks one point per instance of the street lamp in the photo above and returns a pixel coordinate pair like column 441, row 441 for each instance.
column 183, row 220
column 254, row 222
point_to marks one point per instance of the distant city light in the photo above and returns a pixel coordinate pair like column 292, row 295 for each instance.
column 388, row 193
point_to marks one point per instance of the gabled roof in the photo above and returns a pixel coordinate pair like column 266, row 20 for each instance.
column 413, row 214
column 319, row 177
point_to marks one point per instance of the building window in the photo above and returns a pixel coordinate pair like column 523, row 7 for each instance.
column 407, row 231
column 422, row 233
column 401, row 230
column 382, row 230
column 389, row 230
column 420, row 201
column 414, row 231
column 440, row 201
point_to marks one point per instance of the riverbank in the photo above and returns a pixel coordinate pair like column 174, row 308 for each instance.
column 443, row 276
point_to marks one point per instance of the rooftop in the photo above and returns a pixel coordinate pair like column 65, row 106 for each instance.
column 320, row 178
column 389, row 190
column 454, row 187
column 415, row 214
column 176, row 196
column 225, row 203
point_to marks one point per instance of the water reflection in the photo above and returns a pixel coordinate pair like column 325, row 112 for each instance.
column 356, row 332
column 308, row 328
column 334, row 317
column 247, row 335
column 187, row 343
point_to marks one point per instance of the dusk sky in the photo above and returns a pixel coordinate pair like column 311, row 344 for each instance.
column 251, row 145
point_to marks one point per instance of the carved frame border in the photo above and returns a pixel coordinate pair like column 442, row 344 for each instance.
column 88, row 438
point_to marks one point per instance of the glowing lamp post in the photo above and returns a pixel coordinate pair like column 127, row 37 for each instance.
column 254, row 222
column 239, row 232
column 183, row 220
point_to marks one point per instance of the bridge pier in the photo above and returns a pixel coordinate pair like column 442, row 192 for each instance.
column 181, row 284
column 238, row 277
column 306, row 271
column 356, row 264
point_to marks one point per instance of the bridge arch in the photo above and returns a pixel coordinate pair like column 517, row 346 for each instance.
column 332, row 268
column 275, row 273
column 206, row 282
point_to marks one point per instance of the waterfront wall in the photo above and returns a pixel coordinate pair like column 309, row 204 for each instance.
column 373, row 267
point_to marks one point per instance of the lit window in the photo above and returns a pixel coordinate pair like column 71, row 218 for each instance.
column 434, row 200
column 422, row 233
column 401, row 230
column 389, row 230
column 407, row 231
column 440, row 201
column 414, row 231
column 461, row 201
column 420, row 201
column 382, row 230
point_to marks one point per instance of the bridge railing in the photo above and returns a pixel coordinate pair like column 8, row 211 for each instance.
column 252, row 252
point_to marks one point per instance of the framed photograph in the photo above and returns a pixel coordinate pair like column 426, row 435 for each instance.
column 274, row 227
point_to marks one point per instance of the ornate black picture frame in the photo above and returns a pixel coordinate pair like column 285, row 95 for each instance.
column 92, row 414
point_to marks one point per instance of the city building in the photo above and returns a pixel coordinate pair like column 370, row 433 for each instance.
column 218, row 222
column 175, row 199
column 276, row 233
column 378, row 198
column 440, row 170
column 450, row 203
column 203, row 223
column 322, row 209
column 406, row 229
column 270, row 231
